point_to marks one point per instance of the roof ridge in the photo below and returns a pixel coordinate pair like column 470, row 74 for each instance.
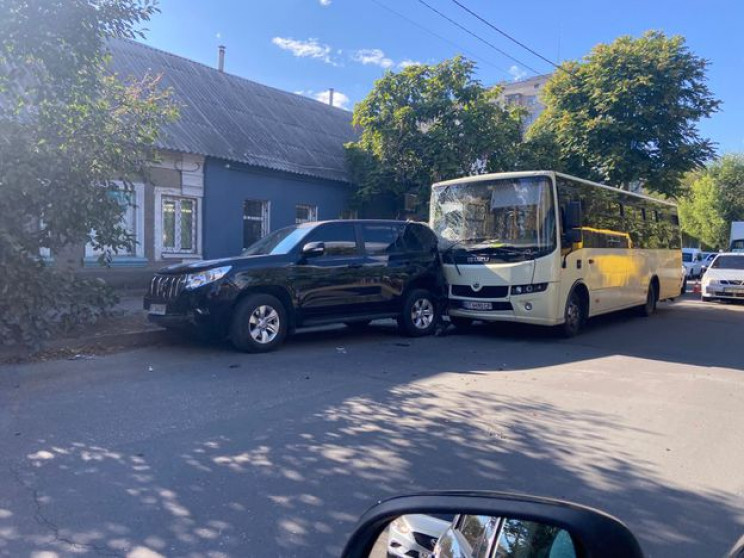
column 223, row 73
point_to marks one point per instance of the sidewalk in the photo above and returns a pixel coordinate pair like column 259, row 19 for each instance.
column 126, row 327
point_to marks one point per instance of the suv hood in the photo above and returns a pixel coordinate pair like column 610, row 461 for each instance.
column 239, row 262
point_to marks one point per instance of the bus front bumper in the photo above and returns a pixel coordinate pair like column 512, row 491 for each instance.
column 536, row 308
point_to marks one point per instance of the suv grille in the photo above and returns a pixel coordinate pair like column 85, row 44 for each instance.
column 483, row 292
column 167, row 287
column 731, row 282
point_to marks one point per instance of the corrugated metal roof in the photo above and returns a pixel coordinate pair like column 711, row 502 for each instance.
column 233, row 118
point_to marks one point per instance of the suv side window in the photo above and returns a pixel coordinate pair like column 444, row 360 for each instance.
column 418, row 238
column 339, row 239
column 382, row 238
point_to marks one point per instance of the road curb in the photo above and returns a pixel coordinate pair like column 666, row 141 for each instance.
column 109, row 342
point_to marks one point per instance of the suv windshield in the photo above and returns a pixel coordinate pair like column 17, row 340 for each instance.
column 278, row 242
column 507, row 213
column 686, row 257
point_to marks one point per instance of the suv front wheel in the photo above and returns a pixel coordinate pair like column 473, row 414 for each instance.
column 259, row 324
column 420, row 314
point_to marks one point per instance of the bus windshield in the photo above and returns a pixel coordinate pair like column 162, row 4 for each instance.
column 514, row 214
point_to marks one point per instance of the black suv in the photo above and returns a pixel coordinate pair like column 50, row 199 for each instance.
column 309, row 274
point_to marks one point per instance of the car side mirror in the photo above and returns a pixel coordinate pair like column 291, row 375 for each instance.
column 515, row 525
column 313, row 249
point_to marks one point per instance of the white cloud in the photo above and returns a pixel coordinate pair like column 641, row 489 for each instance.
column 407, row 62
column 517, row 73
column 339, row 99
column 325, row 2
column 305, row 49
column 372, row 56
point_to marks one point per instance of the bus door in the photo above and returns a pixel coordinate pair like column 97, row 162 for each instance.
column 606, row 257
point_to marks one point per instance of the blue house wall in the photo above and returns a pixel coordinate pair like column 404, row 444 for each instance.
column 227, row 185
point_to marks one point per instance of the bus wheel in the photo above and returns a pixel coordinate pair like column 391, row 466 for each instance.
column 574, row 315
column 652, row 297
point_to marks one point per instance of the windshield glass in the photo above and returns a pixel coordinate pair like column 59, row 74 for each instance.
column 511, row 213
column 728, row 262
column 278, row 242
column 737, row 246
column 686, row 257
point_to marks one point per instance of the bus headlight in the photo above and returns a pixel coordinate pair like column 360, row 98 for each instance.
column 529, row 289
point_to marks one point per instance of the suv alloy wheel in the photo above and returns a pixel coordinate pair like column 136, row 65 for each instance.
column 420, row 314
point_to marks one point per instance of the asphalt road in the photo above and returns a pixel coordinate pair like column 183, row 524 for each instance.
column 199, row 451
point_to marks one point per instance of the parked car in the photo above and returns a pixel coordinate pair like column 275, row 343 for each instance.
column 725, row 278
column 416, row 534
column 692, row 259
column 708, row 258
column 351, row 272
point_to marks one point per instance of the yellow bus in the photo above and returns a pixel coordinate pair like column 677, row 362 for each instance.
column 546, row 248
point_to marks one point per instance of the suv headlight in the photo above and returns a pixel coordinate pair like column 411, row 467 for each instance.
column 195, row 280
column 713, row 282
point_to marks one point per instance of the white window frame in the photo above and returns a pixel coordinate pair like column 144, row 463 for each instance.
column 138, row 230
column 264, row 219
column 162, row 253
column 177, row 249
column 312, row 212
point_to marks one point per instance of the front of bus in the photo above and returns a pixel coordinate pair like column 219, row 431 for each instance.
column 499, row 240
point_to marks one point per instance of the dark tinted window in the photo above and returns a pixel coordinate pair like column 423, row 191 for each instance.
column 615, row 219
column 339, row 238
column 419, row 238
column 728, row 262
column 384, row 238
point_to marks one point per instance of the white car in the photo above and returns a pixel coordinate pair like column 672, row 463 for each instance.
column 724, row 278
column 692, row 259
column 415, row 535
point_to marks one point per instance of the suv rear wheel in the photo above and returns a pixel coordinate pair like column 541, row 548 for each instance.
column 420, row 314
column 259, row 324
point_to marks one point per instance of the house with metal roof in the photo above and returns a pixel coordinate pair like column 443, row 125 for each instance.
column 242, row 160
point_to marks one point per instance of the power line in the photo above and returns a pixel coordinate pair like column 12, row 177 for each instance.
column 437, row 35
column 481, row 39
column 505, row 34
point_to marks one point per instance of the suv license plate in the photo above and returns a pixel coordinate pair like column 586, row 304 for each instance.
column 470, row 305
column 157, row 309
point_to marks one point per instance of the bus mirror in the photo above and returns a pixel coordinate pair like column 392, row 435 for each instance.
column 571, row 236
column 572, row 217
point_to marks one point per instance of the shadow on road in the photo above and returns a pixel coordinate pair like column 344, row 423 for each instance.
column 230, row 469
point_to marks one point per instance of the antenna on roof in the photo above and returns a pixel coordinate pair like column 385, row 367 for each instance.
column 330, row 96
column 221, row 58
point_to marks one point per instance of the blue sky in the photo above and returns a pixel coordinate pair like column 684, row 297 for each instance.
column 308, row 46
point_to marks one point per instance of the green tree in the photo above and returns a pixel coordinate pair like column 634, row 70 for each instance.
column 627, row 114
column 714, row 198
column 71, row 134
column 430, row 123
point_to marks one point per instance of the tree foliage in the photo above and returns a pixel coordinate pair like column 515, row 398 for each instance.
column 430, row 123
column 714, row 198
column 70, row 135
column 627, row 114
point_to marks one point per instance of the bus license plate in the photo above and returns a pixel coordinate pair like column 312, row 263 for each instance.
column 157, row 309
column 471, row 305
